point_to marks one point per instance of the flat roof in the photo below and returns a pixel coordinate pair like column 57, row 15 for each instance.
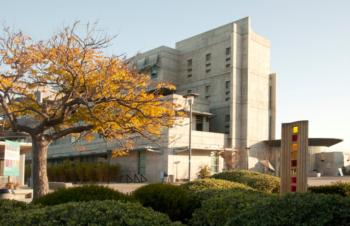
column 325, row 142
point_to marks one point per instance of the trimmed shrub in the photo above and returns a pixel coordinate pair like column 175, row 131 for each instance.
column 213, row 184
column 227, row 204
column 259, row 181
column 71, row 171
column 173, row 200
column 81, row 194
column 342, row 189
column 298, row 209
column 106, row 212
column 10, row 206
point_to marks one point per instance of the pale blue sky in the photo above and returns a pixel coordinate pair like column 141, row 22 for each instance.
column 310, row 43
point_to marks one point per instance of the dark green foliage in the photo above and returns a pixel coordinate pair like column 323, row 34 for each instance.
column 70, row 171
column 79, row 194
column 213, row 184
column 342, row 189
column 259, row 181
column 227, row 204
column 304, row 209
column 10, row 206
column 92, row 213
column 173, row 200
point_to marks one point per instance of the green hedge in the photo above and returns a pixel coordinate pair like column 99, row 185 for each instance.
column 342, row 189
column 79, row 194
column 259, row 181
column 11, row 206
column 92, row 213
column 213, row 184
column 304, row 209
column 173, row 200
column 227, row 204
column 71, row 171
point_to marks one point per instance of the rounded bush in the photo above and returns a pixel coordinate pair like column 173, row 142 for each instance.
column 213, row 184
column 227, row 204
column 342, row 189
column 298, row 209
column 9, row 206
column 80, row 194
column 173, row 200
column 108, row 212
column 259, row 181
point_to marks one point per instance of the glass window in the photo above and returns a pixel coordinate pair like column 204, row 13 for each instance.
column 141, row 163
column 208, row 57
column 214, row 166
column 228, row 50
column 199, row 123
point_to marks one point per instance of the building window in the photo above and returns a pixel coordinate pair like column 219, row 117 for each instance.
column 207, row 62
column 154, row 72
column 227, row 84
column 189, row 68
column 199, row 123
column 141, row 163
column 228, row 57
column 208, row 57
column 189, row 63
column 214, row 166
column 189, row 91
column 227, row 118
column 228, row 51
column 227, row 129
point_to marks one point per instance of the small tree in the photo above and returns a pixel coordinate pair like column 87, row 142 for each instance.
column 66, row 85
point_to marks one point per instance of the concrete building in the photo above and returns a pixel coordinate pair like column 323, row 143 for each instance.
column 234, row 116
column 229, row 67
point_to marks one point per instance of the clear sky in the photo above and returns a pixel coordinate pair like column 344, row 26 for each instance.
column 310, row 43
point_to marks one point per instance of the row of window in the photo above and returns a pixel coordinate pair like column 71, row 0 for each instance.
column 208, row 62
column 207, row 91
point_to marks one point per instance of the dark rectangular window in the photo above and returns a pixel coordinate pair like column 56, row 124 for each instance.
column 189, row 68
column 189, row 63
column 227, row 84
column 199, row 123
column 227, row 118
column 208, row 57
column 228, row 51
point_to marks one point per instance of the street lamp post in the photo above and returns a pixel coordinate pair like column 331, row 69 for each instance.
column 190, row 98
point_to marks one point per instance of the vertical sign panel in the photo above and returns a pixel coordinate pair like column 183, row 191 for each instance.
column 293, row 157
column 11, row 158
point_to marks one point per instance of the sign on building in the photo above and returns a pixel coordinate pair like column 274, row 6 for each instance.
column 294, row 157
column 11, row 158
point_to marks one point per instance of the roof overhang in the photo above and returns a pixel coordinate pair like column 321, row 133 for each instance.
column 314, row 142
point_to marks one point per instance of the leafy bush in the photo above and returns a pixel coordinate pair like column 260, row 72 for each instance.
column 106, row 212
column 210, row 183
column 70, row 171
column 227, row 204
column 173, row 200
column 298, row 209
column 204, row 172
column 259, row 181
column 342, row 189
column 79, row 194
column 10, row 206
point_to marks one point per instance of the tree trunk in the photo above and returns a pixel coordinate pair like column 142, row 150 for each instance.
column 39, row 164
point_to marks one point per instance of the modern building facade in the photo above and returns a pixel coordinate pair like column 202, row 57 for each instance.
column 229, row 67
column 234, row 116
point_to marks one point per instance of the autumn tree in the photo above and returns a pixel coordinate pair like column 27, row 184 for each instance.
column 67, row 85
